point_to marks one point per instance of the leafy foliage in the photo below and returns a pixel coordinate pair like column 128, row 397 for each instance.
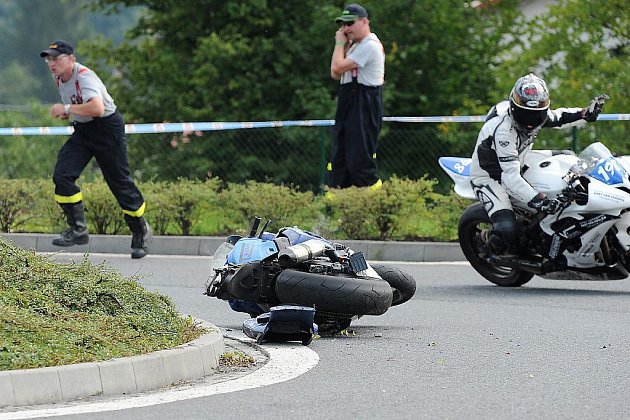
column 283, row 205
column 40, row 150
column 102, row 211
column 27, row 26
column 581, row 48
column 210, row 60
column 182, row 203
column 400, row 209
column 15, row 200
column 258, row 60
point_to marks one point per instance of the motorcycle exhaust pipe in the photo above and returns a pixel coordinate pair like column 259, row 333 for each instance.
column 299, row 253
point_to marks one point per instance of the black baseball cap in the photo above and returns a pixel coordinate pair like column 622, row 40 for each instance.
column 58, row 47
column 353, row 11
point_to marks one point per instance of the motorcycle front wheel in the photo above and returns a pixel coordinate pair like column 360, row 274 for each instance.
column 336, row 294
column 474, row 220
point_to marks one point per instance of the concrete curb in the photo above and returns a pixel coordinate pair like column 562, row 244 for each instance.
column 206, row 245
column 47, row 385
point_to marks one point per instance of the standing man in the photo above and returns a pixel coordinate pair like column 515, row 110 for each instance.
column 358, row 62
column 99, row 132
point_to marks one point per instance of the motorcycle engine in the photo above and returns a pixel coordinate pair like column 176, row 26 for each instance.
column 325, row 266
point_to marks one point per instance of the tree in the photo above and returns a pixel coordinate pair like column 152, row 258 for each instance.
column 28, row 26
column 581, row 48
column 210, row 60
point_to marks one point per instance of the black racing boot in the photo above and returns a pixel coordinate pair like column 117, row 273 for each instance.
column 141, row 235
column 77, row 232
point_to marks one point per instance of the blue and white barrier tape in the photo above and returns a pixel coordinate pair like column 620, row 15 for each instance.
column 219, row 126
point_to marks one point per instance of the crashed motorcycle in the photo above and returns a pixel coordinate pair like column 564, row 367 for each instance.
column 297, row 267
column 588, row 237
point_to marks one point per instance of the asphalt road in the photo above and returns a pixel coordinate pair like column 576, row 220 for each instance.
column 461, row 348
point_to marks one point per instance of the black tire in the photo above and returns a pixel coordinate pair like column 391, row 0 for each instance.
column 402, row 284
column 334, row 294
column 473, row 221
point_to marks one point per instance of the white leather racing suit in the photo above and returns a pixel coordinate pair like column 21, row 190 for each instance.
column 497, row 161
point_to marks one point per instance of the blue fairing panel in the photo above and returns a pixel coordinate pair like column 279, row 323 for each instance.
column 297, row 235
column 457, row 165
column 251, row 249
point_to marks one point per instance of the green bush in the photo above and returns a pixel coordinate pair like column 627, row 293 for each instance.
column 402, row 209
column 49, row 217
column 16, row 204
column 159, row 212
column 399, row 209
column 102, row 211
column 445, row 213
column 283, row 205
column 180, row 205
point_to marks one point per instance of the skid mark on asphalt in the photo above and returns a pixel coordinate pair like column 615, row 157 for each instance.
column 286, row 361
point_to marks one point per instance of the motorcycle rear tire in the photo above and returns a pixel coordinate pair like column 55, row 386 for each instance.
column 472, row 222
column 403, row 285
column 334, row 294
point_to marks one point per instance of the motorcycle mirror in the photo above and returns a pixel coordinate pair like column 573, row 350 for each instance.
column 264, row 228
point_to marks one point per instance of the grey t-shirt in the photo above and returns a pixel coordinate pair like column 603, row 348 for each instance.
column 370, row 58
column 82, row 86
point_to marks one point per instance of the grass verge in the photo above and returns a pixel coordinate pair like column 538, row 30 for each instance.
column 53, row 314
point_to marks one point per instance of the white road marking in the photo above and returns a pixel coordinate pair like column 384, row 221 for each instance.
column 286, row 361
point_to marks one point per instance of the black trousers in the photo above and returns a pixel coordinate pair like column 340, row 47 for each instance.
column 358, row 122
column 105, row 140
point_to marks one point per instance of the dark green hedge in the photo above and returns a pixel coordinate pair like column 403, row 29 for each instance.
column 401, row 209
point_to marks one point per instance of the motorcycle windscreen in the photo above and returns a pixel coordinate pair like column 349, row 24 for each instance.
column 251, row 249
column 597, row 161
column 220, row 256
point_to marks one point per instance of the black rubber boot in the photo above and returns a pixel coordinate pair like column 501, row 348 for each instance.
column 77, row 232
column 141, row 235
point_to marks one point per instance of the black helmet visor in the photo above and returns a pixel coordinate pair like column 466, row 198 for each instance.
column 529, row 118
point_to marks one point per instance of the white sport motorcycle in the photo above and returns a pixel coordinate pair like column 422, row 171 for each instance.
column 587, row 239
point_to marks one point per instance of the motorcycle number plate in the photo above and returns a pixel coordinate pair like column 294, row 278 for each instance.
column 609, row 172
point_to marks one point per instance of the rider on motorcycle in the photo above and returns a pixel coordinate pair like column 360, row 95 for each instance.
column 507, row 136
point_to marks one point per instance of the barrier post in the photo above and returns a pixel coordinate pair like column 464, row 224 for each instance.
column 322, row 159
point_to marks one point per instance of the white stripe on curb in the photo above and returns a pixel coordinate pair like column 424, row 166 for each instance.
column 286, row 361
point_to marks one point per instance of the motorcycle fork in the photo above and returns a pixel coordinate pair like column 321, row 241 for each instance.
column 267, row 286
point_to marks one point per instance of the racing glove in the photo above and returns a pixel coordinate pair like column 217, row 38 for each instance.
column 592, row 111
column 547, row 205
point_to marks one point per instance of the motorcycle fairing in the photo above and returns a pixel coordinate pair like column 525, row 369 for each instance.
column 251, row 249
column 458, row 169
column 250, row 281
column 590, row 229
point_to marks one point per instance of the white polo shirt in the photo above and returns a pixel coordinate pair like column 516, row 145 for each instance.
column 369, row 55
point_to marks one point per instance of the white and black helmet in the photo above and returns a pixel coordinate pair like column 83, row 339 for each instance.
column 529, row 103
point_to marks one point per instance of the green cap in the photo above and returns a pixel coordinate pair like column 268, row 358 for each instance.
column 352, row 12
